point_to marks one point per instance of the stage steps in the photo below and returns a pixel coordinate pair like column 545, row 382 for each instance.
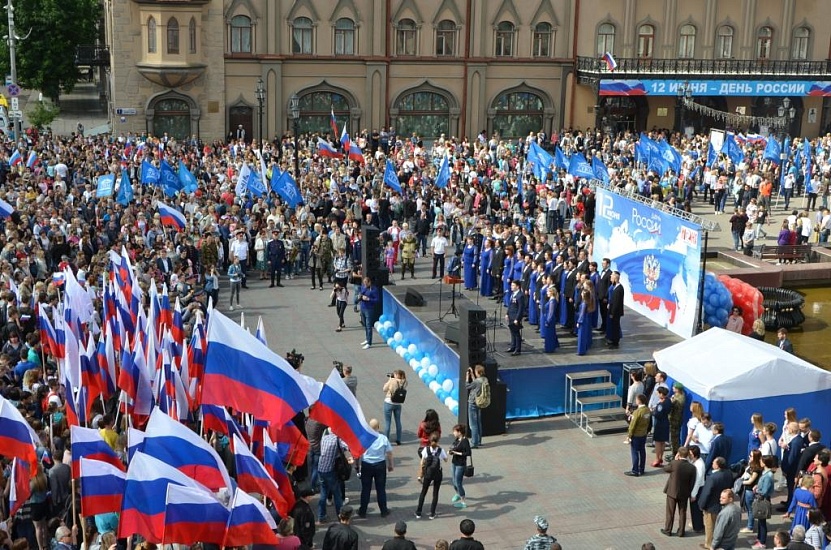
column 593, row 404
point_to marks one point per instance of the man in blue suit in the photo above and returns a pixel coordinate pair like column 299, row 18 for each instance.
column 516, row 308
column 790, row 461
column 721, row 445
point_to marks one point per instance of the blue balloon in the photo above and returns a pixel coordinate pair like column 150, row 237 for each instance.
column 440, row 378
column 424, row 376
column 455, row 393
column 442, row 395
column 407, row 356
column 455, row 410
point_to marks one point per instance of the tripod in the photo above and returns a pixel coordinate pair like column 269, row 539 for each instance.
column 452, row 308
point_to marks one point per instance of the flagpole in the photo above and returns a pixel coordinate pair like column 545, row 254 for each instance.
column 75, row 506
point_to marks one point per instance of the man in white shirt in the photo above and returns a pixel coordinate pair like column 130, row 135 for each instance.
column 703, row 435
column 238, row 248
column 439, row 246
column 696, row 515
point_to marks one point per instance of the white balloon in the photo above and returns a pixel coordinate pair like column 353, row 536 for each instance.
column 412, row 348
column 398, row 336
column 425, row 362
column 447, row 385
column 420, row 371
column 378, row 326
column 434, row 386
column 390, row 341
column 448, row 402
column 400, row 350
column 413, row 364
column 433, row 370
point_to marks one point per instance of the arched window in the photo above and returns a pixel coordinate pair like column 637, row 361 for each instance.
column 686, row 42
column 646, row 40
column 240, row 34
column 799, row 49
column 605, row 39
column 406, row 37
column 724, row 42
column 518, row 114
column 172, row 36
column 764, row 40
column 446, row 38
column 543, row 38
column 316, row 108
column 504, row 39
column 172, row 116
column 151, row 35
column 344, row 37
column 301, row 36
column 192, row 36
column 425, row 113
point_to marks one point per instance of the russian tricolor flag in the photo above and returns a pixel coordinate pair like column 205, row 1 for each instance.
column 242, row 373
column 250, row 523
column 171, row 217
column 16, row 158
column 88, row 443
column 53, row 342
column 333, row 123
column 193, row 515
column 339, row 409
column 291, row 444
column 356, row 154
column 20, row 490
column 183, row 449
column 344, row 139
column 253, row 477
column 611, row 64
column 17, row 438
column 274, row 466
column 326, row 150
column 102, row 487
column 33, row 160
column 6, row 209
column 145, row 497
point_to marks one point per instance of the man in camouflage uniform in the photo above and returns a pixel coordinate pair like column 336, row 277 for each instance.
column 325, row 256
column 676, row 416
column 409, row 244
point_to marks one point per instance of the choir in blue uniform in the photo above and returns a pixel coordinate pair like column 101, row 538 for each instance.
column 469, row 259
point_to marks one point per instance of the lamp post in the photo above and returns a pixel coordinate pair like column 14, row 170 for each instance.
column 787, row 114
column 294, row 111
column 259, row 92
column 684, row 94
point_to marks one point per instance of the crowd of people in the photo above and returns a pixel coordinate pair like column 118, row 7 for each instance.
column 518, row 238
column 704, row 481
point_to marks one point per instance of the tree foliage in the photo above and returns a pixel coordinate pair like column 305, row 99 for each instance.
column 42, row 114
column 46, row 58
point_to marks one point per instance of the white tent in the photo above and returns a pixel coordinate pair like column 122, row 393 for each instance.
column 734, row 376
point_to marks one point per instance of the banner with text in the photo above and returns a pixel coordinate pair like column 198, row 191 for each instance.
column 658, row 256
column 611, row 87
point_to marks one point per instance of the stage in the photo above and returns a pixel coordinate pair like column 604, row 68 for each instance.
column 536, row 380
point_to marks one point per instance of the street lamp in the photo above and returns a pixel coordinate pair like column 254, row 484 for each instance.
column 260, row 94
column 294, row 111
column 787, row 114
column 684, row 93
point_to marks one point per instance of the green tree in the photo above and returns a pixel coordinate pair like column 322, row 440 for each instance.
column 42, row 114
column 46, row 58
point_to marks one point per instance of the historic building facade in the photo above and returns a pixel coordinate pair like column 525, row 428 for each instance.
column 427, row 66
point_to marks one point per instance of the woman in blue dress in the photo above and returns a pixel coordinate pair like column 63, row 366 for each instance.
column 469, row 257
column 544, row 283
column 584, row 328
column 533, row 302
column 486, row 284
column 803, row 500
column 563, row 320
column 548, row 323
column 594, row 316
column 507, row 274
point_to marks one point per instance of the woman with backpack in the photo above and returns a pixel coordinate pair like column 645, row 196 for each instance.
column 429, row 426
column 431, row 459
column 395, row 391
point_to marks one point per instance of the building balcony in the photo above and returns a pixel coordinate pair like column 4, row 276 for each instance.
column 92, row 56
column 590, row 69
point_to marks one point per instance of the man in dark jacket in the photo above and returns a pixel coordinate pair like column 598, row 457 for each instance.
column 678, row 490
column 275, row 253
column 398, row 542
column 341, row 535
column 304, row 518
column 790, row 461
column 708, row 499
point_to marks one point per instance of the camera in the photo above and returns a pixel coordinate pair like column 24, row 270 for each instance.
column 338, row 365
column 389, row 375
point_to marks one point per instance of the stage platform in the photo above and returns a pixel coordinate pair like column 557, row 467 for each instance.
column 536, row 380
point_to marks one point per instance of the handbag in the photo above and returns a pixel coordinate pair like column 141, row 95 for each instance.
column 469, row 469
column 342, row 468
column 761, row 507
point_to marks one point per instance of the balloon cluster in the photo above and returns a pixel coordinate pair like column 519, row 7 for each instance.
column 444, row 388
column 747, row 297
column 717, row 301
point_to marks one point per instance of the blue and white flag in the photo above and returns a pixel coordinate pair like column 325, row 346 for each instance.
column 149, row 173
column 390, row 177
column 6, row 209
column 579, row 167
column 731, row 147
column 187, row 179
column 284, row 185
column 169, row 179
column 125, row 190
column 672, row 158
column 242, row 180
column 560, row 160
column 773, row 150
column 105, row 185
column 255, row 184
column 541, row 159
column 600, row 171
column 443, row 177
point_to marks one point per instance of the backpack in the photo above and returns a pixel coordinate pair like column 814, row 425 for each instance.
column 431, row 468
column 483, row 398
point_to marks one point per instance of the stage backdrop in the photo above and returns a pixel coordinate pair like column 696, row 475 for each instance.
column 658, row 256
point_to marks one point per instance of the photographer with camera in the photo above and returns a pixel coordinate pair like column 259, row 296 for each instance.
column 395, row 390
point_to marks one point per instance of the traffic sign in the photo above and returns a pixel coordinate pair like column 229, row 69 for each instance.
column 13, row 89
column 9, row 80
column 16, row 114
column 15, row 104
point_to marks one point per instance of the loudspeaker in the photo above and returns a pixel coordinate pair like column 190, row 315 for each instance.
column 472, row 341
column 381, row 277
column 414, row 298
column 370, row 250
column 493, row 417
column 451, row 333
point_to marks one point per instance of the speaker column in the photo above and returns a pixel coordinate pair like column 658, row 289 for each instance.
column 472, row 347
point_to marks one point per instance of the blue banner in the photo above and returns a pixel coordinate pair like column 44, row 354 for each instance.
column 755, row 88
column 106, row 185
column 149, row 173
column 658, row 256
column 125, row 189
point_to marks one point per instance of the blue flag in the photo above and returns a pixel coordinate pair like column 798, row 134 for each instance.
column 106, row 185
column 734, row 152
column 255, row 184
column 149, row 173
column 541, row 159
column 808, row 167
column 285, row 186
column 187, row 179
column 695, row 172
column 560, row 160
column 641, row 151
column 579, row 167
column 169, row 180
column 443, row 177
column 772, row 150
column 390, row 177
column 600, row 171
column 712, row 155
column 125, row 190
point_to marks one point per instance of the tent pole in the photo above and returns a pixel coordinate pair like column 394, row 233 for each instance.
column 700, row 324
